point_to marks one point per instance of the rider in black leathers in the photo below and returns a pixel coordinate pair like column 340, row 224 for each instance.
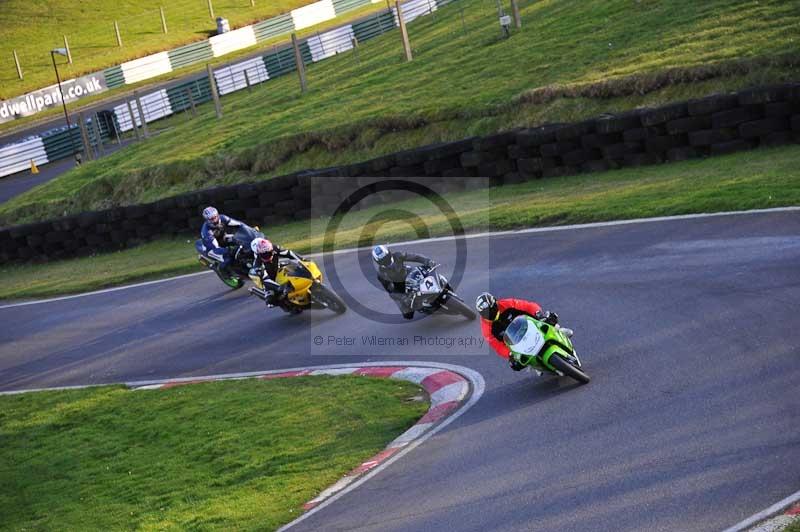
column 392, row 274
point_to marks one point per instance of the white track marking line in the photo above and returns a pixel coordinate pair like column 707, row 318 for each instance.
column 104, row 291
column 764, row 514
column 443, row 239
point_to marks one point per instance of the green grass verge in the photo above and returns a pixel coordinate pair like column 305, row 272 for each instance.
column 461, row 82
column 223, row 455
column 34, row 27
column 758, row 179
column 794, row 526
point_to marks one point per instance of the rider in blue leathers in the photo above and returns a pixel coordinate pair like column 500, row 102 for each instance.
column 214, row 231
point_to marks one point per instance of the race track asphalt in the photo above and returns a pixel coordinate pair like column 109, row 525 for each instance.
column 689, row 329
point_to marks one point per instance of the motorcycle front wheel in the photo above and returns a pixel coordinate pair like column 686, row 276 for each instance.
column 328, row 297
column 232, row 281
column 461, row 308
column 568, row 369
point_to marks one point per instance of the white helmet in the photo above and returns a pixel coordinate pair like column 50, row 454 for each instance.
column 261, row 246
column 211, row 216
column 381, row 255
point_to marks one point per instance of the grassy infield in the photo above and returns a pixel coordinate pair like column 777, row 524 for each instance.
column 252, row 465
column 237, row 455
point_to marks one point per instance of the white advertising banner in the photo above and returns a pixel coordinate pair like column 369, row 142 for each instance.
column 33, row 102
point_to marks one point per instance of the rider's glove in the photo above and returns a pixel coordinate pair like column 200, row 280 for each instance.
column 547, row 317
column 514, row 364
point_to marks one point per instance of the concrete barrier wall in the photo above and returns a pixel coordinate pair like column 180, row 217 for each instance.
column 715, row 125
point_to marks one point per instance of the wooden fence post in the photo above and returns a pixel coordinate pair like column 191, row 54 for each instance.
column 214, row 92
column 191, row 101
column 515, row 13
column 301, row 67
column 16, row 62
column 247, row 81
column 145, row 133
column 101, row 151
column 66, row 47
column 354, row 40
column 87, row 145
column 403, row 32
column 133, row 120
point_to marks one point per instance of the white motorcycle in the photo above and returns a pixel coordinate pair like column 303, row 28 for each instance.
column 429, row 291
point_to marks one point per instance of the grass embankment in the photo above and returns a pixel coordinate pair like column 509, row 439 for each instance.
column 460, row 83
column 34, row 27
column 758, row 179
column 224, row 455
column 154, row 82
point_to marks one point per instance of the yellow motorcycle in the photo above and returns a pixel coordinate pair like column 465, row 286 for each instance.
column 307, row 290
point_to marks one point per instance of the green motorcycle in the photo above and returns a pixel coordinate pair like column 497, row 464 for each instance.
column 543, row 348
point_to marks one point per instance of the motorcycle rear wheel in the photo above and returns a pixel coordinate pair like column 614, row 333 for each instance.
column 328, row 297
column 568, row 369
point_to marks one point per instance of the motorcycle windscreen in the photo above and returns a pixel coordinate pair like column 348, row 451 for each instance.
column 246, row 234
column 521, row 336
column 297, row 270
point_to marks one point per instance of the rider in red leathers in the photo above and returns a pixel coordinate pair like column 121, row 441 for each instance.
column 496, row 315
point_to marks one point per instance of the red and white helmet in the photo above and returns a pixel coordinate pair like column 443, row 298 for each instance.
column 262, row 247
column 211, row 215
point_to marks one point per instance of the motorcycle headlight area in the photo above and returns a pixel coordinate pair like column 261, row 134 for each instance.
column 413, row 280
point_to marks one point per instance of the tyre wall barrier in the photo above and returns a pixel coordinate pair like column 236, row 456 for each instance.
column 715, row 125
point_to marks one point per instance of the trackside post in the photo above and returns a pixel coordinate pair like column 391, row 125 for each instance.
column 133, row 120
column 87, row 145
column 145, row 133
column 403, row 32
column 214, row 93
column 301, row 67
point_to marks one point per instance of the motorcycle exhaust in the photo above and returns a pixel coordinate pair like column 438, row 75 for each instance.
column 259, row 293
column 204, row 261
